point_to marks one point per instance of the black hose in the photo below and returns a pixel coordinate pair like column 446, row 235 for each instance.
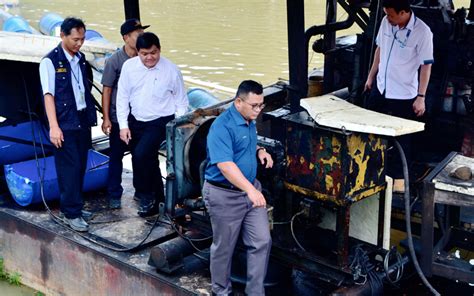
column 406, row 196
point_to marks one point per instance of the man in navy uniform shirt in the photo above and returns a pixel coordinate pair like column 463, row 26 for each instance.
column 70, row 110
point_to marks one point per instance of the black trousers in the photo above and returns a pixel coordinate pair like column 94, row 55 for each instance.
column 117, row 150
column 71, row 161
column 145, row 143
column 400, row 108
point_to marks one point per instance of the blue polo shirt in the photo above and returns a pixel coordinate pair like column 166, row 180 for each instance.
column 231, row 139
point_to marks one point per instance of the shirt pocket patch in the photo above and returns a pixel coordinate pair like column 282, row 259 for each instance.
column 404, row 54
column 162, row 89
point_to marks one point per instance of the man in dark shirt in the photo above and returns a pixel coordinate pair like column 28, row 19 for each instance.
column 130, row 30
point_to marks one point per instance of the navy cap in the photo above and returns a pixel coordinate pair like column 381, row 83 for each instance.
column 131, row 25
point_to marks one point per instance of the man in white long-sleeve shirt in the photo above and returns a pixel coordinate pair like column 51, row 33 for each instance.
column 151, row 90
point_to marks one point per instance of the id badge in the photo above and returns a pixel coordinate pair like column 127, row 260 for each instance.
column 83, row 98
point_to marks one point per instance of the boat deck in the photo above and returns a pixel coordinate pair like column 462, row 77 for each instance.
column 53, row 259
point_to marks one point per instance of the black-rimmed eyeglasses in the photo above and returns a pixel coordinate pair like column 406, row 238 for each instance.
column 256, row 106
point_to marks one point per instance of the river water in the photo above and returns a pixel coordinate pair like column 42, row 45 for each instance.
column 218, row 41
column 10, row 290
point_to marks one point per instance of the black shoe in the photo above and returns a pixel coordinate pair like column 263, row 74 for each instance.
column 148, row 208
column 114, row 204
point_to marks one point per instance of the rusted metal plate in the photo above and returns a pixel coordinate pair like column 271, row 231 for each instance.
column 332, row 165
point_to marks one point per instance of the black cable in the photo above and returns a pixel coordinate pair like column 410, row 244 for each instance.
column 408, row 219
column 190, row 240
column 361, row 267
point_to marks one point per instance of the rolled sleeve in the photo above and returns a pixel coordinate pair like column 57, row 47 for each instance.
column 219, row 144
column 47, row 76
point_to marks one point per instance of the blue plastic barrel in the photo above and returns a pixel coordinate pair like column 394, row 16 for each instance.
column 50, row 24
column 93, row 35
column 17, row 24
column 24, row 183
column 200, row 98
column 16, row 141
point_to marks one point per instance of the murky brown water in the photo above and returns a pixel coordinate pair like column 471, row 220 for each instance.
column 220, row 41
column 217, row 41
column 10, row 290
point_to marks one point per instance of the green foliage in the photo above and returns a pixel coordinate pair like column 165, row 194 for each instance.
column 13, row 279
column 3, row 274
column 38, row 293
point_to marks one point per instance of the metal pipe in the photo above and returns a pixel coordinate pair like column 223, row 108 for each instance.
column 168, row 256
column 329, row 44
column 317, row 30
column 131, row 9
column 359, row 15
column 297, row 53
column 470, row 16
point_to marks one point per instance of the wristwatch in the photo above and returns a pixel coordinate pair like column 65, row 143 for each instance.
column 420, row 95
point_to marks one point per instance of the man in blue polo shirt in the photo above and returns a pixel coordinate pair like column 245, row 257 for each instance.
column 404, row 47
column 233, row 194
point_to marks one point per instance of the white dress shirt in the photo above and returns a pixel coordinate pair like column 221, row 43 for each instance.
column 402, row 51
column 150, row 93
column 48, row 78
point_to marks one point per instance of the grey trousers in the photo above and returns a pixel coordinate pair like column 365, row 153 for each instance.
column 231, row 214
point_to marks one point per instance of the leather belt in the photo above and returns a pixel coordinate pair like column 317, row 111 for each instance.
column 224, row 186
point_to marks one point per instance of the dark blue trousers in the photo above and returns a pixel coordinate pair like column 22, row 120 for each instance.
column 400, row 108
column 70, row 161
column 117, row 150
column 145, row 143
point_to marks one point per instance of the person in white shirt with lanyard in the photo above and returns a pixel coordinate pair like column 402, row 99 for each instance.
column 404, row 48
column 71, row 113
column 150, row 89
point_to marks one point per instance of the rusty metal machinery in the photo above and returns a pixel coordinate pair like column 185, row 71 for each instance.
column 323, row 168
column 314, row 167
column 332, row 165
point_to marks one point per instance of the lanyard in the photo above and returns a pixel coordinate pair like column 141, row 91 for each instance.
column 76, row 78
column 404, row 42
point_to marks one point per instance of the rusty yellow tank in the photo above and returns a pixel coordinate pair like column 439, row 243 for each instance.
column 332, row 165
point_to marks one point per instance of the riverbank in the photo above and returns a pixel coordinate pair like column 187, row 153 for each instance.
column 10, row 284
